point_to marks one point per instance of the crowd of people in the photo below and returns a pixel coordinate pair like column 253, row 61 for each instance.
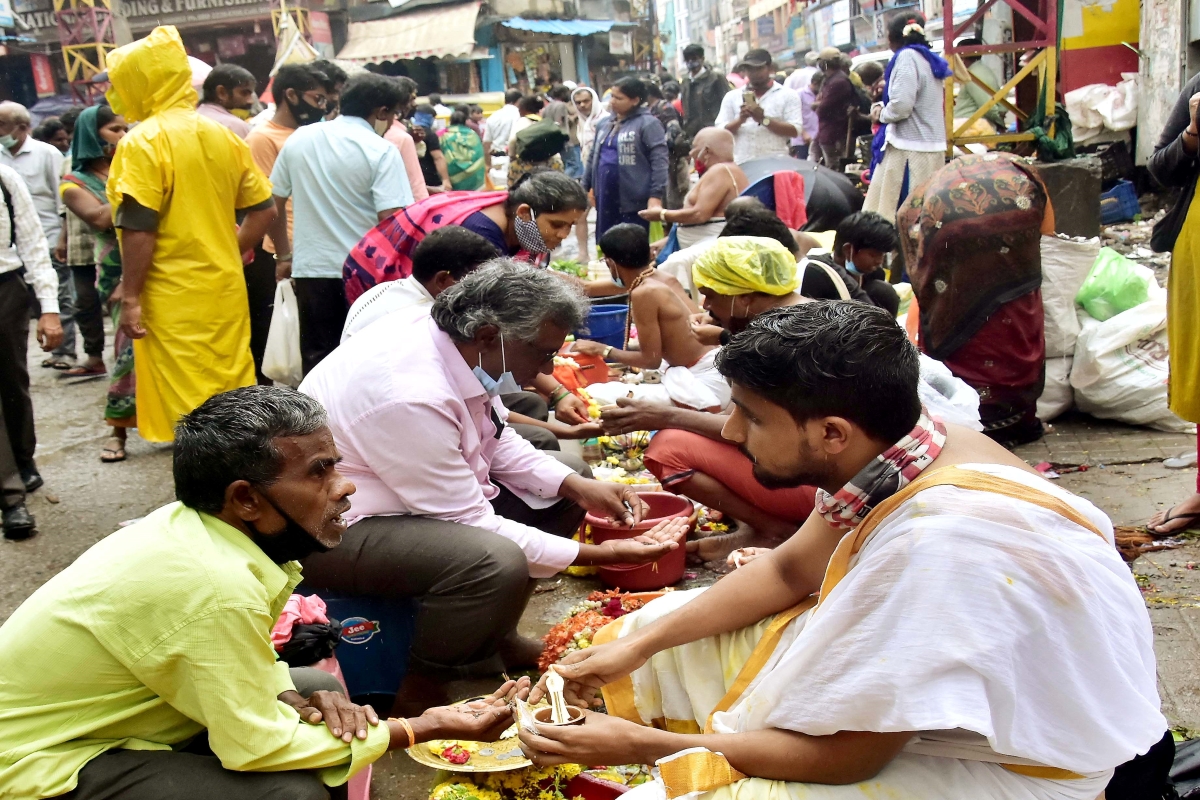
column 901, row 578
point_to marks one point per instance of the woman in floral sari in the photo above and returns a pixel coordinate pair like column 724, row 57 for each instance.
column 97, row 132
column 463, row 150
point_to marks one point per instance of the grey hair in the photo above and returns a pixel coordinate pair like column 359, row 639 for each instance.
column 231, row 437
column 15, row 112
column 515, row 298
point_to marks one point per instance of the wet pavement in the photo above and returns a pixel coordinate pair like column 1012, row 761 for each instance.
column 84, row 500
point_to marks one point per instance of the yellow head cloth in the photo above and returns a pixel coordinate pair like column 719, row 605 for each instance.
column 150, row 76
column 743, row 264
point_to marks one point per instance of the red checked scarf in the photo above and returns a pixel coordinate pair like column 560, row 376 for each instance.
column 883, row 477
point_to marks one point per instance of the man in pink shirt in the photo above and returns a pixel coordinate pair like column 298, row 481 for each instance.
column 398, row 135
column 229, row 93
column 452, row 506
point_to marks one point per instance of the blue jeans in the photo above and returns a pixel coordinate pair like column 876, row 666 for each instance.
column 572, row 162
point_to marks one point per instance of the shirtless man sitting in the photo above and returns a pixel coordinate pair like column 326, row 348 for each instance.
column 721, row 181
column 664, row 331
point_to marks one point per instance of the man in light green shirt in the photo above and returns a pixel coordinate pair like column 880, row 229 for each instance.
column 972, row 96
column 162, row 631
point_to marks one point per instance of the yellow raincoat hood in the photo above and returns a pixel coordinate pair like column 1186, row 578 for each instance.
column 150, row 76
column 737, row 265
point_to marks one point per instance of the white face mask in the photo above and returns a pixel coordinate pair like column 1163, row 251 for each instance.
column 381, row 126
column 507, row 383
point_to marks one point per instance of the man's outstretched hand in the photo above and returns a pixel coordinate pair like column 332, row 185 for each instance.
column 585, row 671
column 480, row 720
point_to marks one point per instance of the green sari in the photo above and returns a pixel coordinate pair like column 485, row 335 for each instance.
column 120, row 408
column 464, row 158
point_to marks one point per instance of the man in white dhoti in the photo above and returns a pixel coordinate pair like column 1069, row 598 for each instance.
column 946, row 625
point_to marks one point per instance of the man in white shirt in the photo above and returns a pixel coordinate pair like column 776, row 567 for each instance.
column 766, row 124
column 453, row 507
column 343, row 178
column 40, row 167
column 22, row 244
column 499, row 127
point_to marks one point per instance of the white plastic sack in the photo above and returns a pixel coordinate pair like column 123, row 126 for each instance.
column 1065, row 266
column 1120, row 369
column 281, row 360
column 1098, row 107
column 1058, row 396
column 947, row 397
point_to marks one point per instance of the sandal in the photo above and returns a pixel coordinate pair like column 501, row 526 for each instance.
column 82, row 371
column 59, row 362
column 1171, row 518
column 114, row 451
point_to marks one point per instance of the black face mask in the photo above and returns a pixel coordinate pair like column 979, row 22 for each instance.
column 331, row 108
column 293, row 543
column 305, row 113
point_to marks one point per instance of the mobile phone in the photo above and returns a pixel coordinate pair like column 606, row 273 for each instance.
column 749, row 98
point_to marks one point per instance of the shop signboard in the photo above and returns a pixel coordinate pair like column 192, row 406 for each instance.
column 765, row 26
column 6, row 15
column 43, row 75
column 620, row 43
column 36, row 17
column 318, row 26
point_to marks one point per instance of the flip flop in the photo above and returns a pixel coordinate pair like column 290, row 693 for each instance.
column 62, row 363
column 81, row 371
column 113, row 451
column 1171, row 518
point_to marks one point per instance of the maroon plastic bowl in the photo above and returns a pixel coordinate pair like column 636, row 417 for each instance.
column 663, row 505
column 648, row 577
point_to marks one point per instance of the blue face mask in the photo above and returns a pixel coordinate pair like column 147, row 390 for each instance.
column 853, row 270
column 507, row 383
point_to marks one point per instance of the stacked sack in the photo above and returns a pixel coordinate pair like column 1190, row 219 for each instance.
column 1120, row 370
column 1065, row 266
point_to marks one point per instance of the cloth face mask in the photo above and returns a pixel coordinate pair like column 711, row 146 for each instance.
column 529, row 235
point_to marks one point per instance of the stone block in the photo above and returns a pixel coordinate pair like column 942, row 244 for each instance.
column 1074, row 187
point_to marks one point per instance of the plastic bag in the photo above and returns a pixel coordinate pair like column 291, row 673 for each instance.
column 1120, row 370
column 1065, row 266
column 949, row 398
column 1058, row 396
column 281, row 360
column 1114, row 285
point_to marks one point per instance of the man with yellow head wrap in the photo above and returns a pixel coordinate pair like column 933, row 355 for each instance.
column 740, row 277
column 177, row 185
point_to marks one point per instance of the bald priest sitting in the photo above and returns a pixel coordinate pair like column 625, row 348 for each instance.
column 947, row 625
column 721, row 181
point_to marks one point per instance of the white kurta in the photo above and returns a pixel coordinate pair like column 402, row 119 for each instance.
column 998, row 628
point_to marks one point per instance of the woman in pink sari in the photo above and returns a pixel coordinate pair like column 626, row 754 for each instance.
column 527, row 223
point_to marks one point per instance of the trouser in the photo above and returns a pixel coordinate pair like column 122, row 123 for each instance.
column 66, row 310
column 884, row 194
column 678, row 173
column 472, row 584
column 800, row 151
column 572, row 161
column 194, row 773
column 323, row 308
column 89, row 315
column 15, row 404
column 832, row 155
column 533, row 406
column 260, row 291
column 674, row 456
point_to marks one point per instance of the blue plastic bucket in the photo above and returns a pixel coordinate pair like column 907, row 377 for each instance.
column 606, row 324
column 376, row 638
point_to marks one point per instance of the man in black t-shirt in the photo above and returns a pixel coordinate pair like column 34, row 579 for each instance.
column 429, row 151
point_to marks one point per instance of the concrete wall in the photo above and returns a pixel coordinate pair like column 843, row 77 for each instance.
column 1162, row 68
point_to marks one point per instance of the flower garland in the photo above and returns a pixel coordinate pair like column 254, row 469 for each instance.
column 582, row 622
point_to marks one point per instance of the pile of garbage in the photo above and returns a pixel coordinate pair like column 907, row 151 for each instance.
column 1106, row 336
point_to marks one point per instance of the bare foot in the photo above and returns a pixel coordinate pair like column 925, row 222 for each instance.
column 519, row 652
column 1182, row 517
column 718, row 546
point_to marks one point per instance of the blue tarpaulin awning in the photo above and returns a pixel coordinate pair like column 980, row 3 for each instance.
column 562, row 27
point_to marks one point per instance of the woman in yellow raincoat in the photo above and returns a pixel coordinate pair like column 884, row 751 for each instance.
column 176, row 184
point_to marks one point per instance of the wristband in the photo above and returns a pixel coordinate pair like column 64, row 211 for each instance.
column 284, row 257
column 607, row 350
column 662, row 214
column 556, row 398
column 412, row 737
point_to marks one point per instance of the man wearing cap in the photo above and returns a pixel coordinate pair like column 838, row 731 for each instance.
column 766, row 125
column 833, row 103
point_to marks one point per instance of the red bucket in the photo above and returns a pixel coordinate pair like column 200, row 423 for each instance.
column 645, row 577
